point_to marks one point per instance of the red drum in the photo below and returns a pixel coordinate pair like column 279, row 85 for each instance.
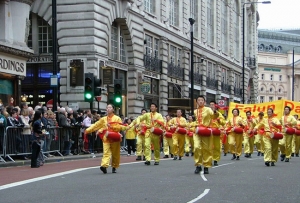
column 216, row 132
column 143, row 130
column 238, row 130
column 290, row 131
column 276, row 136
column 297, row 132
column 190, row 134
column 172, row 130
column 114, row 136
column 101, row 134
column 203, row 131
column 168, row 134
column 181, row 131
column 156, row 131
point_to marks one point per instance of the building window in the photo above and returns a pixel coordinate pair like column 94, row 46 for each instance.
column 262, row 76
column 44, row 36
column 279, row 90
column 175, row 54
column 173, row 15
column 153, row 85
column 117, row 44
column 279, row 98
column 152, row 45
column 280, row 77
column 210, row 22
column 271, row 77
column 262, row 89
column 271, row 89
column 224, row 75
column 174, row 91
column 262, row 99
column 237, row 80
column 270, row 99
column 149, row 6
column 236, row 33
column 194, row 15
column 224, row 26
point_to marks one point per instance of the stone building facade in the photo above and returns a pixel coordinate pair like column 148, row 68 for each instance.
column 275, row 64
column 147, row 44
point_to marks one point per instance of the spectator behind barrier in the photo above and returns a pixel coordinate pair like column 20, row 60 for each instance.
column 25, row 120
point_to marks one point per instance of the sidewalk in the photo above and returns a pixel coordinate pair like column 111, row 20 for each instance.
column 53, row 159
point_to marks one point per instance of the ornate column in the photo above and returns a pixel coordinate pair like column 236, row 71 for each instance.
column 163, row 83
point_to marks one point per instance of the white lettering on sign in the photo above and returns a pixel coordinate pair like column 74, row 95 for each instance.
column 39, row 59
column 11, row 65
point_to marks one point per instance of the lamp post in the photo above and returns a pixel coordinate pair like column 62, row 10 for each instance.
column 293, row 74
column 192, row 21
column 243, row 81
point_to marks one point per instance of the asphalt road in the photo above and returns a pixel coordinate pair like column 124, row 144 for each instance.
column 247, row 180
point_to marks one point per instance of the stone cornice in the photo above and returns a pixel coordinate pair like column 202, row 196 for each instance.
column 16, row 52
column 29, row 2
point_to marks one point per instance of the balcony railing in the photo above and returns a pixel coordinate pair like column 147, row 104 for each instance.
column 238, row 91
column 225, row 88
column 212, row 83
column 152, row 64
column 175, row 71
column 197, row 78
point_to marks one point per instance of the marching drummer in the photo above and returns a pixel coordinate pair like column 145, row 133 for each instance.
column 111, row 147
column 167, row 139
column 178, row 123
column 155, row 125
column 202, row 142
column 249, row 135
column 271, row 126
column 189, row 140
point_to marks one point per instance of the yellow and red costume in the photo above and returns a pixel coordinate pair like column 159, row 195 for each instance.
column 189, row 140
column 285, row 144
column 202, row 144
column 296, row 139
column 249, row 136
column 217, row 124
column 140, row 132
column 271, row 145
column 178, row 139
column 258, row 139
column 168, row 140
column 235, row 128
column 152, row 120
column 111, row 148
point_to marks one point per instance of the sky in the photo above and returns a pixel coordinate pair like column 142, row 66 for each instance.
column 280, row 14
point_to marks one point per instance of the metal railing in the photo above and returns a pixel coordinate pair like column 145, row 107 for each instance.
column 212, row 83
column 238, row 91
column 225, row 88
column 152, row 64
column 175, row 71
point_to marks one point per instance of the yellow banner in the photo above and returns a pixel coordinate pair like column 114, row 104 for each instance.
column 277, row 106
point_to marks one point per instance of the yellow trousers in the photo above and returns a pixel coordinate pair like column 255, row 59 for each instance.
column 202, row 151
column 178, row 144
column 296, row 144
column 189, row 141
column 285, row 145
column 248, row 144
column 111, row 150
column 258, row 141
column 271, row 148
column 216, row 150
column 140, row 145
column 168, row 145
column 155, row 140
column 235, row 141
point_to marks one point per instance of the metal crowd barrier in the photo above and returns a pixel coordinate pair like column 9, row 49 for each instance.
column 2, row 144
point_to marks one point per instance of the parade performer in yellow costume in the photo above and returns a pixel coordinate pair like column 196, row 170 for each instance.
column 235, row 128
column 111, row 146
column 288, row 123
column 202, row 140
column 271, row 125
column 167, row 139
column 178, row 138
column 189, row 137
column 155, row 126
column 258, row 140
column 249, row 135
column 140, row 131
column 216, row 125
column 296, row 138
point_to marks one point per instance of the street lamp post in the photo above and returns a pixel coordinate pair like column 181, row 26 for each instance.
column 293, row 74
column 192, row 21
column 243, row 60
column 54, row 52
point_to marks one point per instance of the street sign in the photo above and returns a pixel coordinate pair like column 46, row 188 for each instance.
column 145, row 88
column 221, row 103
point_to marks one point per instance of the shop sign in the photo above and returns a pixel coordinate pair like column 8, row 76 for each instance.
column 12, row 65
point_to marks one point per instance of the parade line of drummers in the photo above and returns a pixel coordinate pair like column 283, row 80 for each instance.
column 204, row 133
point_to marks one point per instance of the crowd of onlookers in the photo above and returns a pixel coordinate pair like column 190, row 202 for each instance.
column 42, row 123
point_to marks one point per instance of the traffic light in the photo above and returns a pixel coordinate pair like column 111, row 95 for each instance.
column 118, row 93
column 88, row 87
column 97, row 89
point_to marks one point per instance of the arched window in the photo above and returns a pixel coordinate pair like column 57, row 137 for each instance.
column 117, row 44
column 261, row 89
column 271, row 89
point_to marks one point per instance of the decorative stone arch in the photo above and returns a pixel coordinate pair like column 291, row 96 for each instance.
column 43, row 9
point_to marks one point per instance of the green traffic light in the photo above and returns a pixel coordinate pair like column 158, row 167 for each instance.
column 118, row 99
column 88, row 95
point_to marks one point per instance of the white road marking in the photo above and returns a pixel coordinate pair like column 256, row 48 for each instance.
column 223, row 165
column 202, row 176
column 206, row 191
column 3, row 187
